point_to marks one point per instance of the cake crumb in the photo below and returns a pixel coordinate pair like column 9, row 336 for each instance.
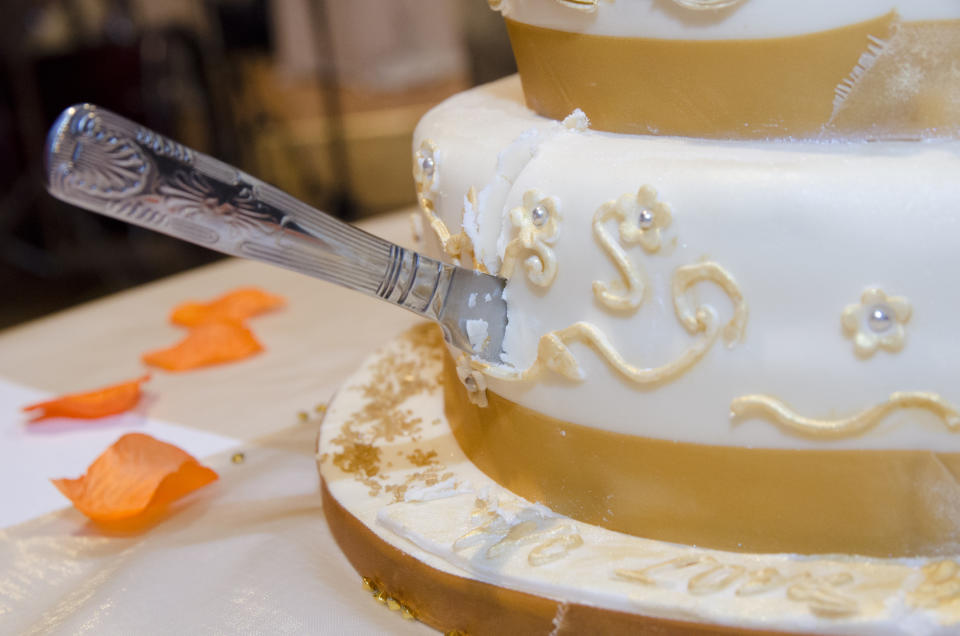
column 577, row 120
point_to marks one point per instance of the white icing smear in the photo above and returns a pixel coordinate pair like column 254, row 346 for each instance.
column 477, row 333
column 667, row 19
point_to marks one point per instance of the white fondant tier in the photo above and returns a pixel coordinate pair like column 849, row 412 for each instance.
column 744, row 287
column 714, row 19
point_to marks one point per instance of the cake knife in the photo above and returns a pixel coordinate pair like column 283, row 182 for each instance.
column 100, row 161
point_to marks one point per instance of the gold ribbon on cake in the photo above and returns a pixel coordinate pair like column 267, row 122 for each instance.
column 879, row 79
column 899, row 503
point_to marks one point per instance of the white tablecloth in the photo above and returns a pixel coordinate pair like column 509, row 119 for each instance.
column 249, row 554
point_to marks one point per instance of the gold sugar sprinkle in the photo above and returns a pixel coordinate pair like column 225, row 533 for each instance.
column 369, row 584
column 238, row 458
column 392, row 604
column 320, row 408
column 407, row 613
column 303, row 416
column 393, row 380
column 455, row 632
column 419, row 458
column 359, row 458
column 381, row 597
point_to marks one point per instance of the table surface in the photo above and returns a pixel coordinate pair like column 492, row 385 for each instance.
column 267, row 559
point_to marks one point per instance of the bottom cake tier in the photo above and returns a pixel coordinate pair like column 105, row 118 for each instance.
column 438, row 540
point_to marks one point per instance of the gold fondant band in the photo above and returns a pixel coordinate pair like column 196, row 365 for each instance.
column 878, row 79
column 875, row 503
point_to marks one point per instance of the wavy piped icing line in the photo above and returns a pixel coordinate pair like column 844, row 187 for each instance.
column 702, row 321
column 767, row 407
column 640, row 218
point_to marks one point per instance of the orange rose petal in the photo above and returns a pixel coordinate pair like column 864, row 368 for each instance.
column 206, row 344
column 237, row 305
column 109, row 400
column 137, row 475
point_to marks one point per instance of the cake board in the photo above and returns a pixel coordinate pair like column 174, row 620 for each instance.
column 435, row 539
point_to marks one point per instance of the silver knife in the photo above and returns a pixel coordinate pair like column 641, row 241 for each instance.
column 100, row 161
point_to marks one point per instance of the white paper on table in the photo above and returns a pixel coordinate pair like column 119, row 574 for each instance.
column 31, row 455
column 248, row 554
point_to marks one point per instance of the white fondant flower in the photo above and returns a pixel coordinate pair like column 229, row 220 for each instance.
column 642, row 217
column 473, row 381
column 537, row 222
column 876, row 322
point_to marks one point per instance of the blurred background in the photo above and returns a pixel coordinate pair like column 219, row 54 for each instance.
column 318, row 97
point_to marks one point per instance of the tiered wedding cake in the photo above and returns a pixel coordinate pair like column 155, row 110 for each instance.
column 729, row 396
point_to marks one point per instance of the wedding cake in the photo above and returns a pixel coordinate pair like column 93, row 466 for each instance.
column 727, row 396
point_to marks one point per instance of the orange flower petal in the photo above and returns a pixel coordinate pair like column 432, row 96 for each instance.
column 237, row 305
column 108, row 400
column 206, row 344
column 137, row 475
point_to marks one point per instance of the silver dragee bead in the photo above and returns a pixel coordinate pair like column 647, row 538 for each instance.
column 539, row 214
column 646, row 218
column 880, row 318
column 427, row 165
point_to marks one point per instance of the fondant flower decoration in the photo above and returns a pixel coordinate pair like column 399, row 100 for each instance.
column 537, row 222
column 425, row 171
column 642, row 216
column 876, row 322
column 473, row 381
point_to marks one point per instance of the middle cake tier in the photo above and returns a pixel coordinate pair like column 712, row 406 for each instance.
column 742, row 294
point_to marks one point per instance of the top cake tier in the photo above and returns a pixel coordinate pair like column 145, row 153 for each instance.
column 747, row 69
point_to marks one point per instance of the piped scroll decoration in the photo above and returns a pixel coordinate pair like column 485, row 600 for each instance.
column 426, row 173
column 498, row 535
column 472, row 380
column 767, row 407
column 940, row 586
column 537, row 222
column 701, row 321
column 640, row 218
column 688, row 276
column 828, row 595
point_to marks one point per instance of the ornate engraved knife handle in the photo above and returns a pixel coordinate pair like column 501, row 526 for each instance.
column 105, row 163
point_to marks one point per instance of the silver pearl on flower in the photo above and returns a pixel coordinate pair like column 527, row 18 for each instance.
column 646, row 219
column 427, row 165
column 539, row 214
column 879, row 318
